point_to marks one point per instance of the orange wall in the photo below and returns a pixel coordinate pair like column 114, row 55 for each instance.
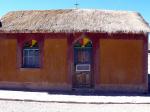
column 54, row 68
column 8, row 59
column 121, row 61
column 55, row 60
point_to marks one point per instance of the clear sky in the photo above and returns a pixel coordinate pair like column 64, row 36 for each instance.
column 142, row 6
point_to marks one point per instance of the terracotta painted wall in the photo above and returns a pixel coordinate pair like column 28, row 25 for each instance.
column 55, row 60
column 8, row 59
column 53, row 72
column 121, row 61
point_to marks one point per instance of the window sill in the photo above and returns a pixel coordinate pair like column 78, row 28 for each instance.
column 33, row 69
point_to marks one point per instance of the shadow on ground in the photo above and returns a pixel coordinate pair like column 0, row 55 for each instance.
column 83, row 92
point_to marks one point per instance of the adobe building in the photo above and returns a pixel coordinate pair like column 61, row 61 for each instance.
column 73, row 49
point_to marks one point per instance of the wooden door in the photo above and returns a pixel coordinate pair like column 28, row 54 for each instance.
column 82, row 67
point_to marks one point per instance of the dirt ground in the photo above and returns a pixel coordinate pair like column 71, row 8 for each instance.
column 21, row 106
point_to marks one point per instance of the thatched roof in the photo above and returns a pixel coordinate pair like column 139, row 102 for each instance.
column 73, row 20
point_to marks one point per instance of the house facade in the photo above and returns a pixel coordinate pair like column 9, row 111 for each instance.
column 74, row 49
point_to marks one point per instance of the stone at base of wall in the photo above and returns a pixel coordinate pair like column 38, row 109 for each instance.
column 122, row 88
column 66, row 87
column 35, row 86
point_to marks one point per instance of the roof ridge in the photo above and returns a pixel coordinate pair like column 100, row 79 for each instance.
column 71, row 9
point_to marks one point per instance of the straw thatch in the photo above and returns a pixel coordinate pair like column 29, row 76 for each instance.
column 73, row 20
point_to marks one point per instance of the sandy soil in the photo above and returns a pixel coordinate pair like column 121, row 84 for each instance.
column 20, row 106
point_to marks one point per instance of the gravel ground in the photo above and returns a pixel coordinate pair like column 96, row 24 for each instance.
column 21, row 106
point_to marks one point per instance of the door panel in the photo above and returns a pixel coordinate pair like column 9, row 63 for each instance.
column 82, row 79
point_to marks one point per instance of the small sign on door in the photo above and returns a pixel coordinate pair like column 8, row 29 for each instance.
column 83, row 67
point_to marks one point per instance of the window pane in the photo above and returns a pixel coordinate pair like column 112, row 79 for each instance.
column 31, row 52
column 36, row 61
column 31, row 61
column 25, row 52
column 36, row 52
column 25, row 61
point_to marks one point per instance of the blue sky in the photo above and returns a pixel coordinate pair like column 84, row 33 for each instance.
column 142, row 6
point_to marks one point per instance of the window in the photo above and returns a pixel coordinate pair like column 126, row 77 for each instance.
column 31, row 54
